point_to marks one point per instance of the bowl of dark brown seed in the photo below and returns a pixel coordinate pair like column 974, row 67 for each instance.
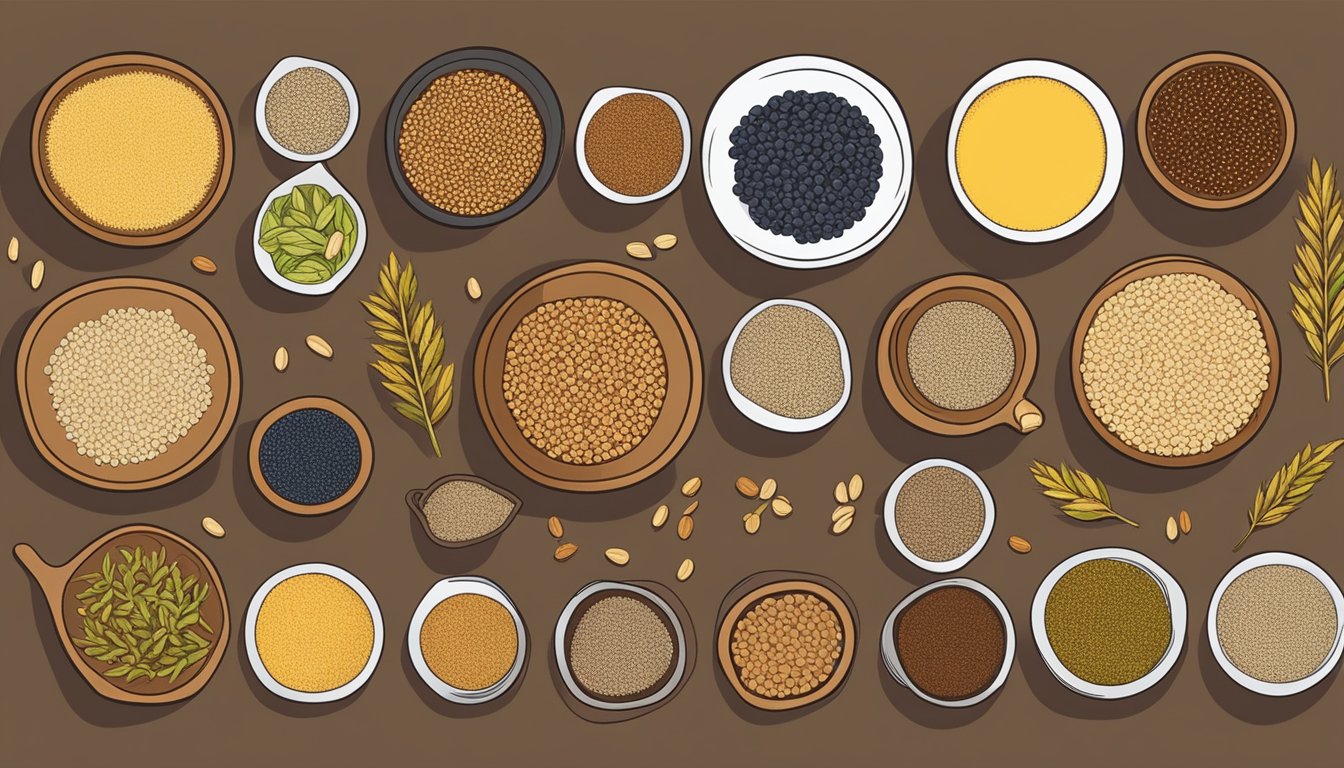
column 957, row 355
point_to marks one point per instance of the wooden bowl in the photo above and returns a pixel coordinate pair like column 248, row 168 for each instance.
column 756, row 588
column 119, row 63
column 1011, row 408
column 685, row 376
column 1287, row 129
column 1168, row 265
column 298, row 404
column 89, row 301
column 416, row 497
column 59, row 586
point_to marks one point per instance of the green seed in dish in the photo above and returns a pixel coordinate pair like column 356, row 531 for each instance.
column 300, row 231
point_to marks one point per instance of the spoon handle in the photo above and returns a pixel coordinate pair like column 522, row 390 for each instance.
column 42, row 571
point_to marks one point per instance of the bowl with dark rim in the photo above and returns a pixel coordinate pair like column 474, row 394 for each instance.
column 120, row 63
column 525, row 76
column 303, row 403
column 416, row 497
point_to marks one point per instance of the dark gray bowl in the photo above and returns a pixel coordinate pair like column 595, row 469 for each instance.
column 510, row 65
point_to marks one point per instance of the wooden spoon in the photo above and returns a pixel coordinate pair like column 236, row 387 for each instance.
column 57, row 587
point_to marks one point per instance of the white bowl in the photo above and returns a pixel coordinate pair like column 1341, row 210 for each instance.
column 1175, row 602
column 250, row 634
column 465, row 585
column 562, row 651
column 599, row 100
column 771, row 419
column 284, row 67
column 1260, row 686
column 315, row 174
column 1110, row 126
column 808, row 73
column 892, row 659
column 889, row 516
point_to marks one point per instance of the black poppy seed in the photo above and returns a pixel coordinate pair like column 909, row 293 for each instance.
column 310, row 456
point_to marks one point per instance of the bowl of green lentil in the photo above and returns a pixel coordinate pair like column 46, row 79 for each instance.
column 310, row 456
column 307, row 110
column 1109, row 623
column 633, row 145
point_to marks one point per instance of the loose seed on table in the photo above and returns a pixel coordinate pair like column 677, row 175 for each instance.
column 781, row 506
column 855, row 487
column 842, row 525
column 665, row 242
column 212, row 527
column 565, row 551
column 841, row 512
column 638, row 250
column 473, row 288
column 687, row 568
column 319, row 345
column 691, row 487
column 747, row 487
column 618, row 556
column 768, row 488
column 13, row 252
column 1171, row 529
column 35, row 279
column 1019, row 544
column 684, row 527
column 690, row 509
column 841, row 493
column 204, row 265
column 660, row 516
column 752, row 522
column 1184, row 521
column 556, row 528
column 281, row 359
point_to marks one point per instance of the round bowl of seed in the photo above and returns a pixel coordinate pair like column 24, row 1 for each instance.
column 938, row 514
column 633, row 145
column 307, row 110
column 120, row 351
column 1175, row 362
column 310, row 456
column 467, row 641
column 957, row 355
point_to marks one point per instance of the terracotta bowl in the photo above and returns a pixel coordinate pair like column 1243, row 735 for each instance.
column 415, row 500
column 59, row 586
column 1011, row 408
column 298, row 404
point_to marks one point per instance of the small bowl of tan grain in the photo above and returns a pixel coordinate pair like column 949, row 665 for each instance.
column 957, row 355
column 786, row 366
column 1175, row 362
column 307, row 110
column 461, row 510
column 1216, row 130
column 467, row 640
column 938, row 514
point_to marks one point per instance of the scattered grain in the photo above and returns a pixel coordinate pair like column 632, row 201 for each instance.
column 281, row 359
column 556, row 528
column 685, row 526
column 660, row 516
column 690, row 487
column 1019, row 544
column 1172, row 531
column 204, row 264
column 212, row 527
column 1184, row 521
column 768, row 488
column 617, row 556
column 565, row 551
column 747, row 487
column 685, row 570
column 319, row 345
column 665, row 242
column 638, row 250
column 473, row 288
column 35, row 277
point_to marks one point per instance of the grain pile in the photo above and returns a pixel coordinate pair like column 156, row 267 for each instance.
column 136, row 151
column 585, row 379
column 128, row 385
column 788, row 361
column 307, row 111
column 787, row 645
column 460, row 510
column 469, row 641
column 1174, row 364
column 633, row 144
column 620, row 647
column 471, row 143
column 314, row 633
column 1277, row 623
column 939, row 514
column 1108, row 622
column 960, row 355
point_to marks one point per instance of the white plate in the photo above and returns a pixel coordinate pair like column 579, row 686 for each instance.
column 562, row 651
column 1110, row 127
column 1260, row 686
column 771, row 419
column 599, row 100
column 284, row 67
column 316, row 174
column 250, row 634
column 1175, row 603
column 808, row 73
column 889, row 516
column 465, row 585
column 892, row 659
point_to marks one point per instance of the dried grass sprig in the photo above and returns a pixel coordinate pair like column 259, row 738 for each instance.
column 1289, row 488
column 1080, row 495
column 1318, row 294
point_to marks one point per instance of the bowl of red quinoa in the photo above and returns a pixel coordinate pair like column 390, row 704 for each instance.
column 633, row 145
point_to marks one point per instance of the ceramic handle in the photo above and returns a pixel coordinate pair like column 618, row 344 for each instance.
column 1027, row 417
column 40, row 569
column 414, row 497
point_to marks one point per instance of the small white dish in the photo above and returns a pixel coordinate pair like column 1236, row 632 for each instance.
column 315, row 174
column 1261, row 686
column 562, row 650
column 808, row 73
column 250, row 634
column 599, row 100
column 1175, row 602
column 465, row 585
column 1110, row 126
column 770, row 419
column 892, row 659
column 284, row 67
column 889, row 516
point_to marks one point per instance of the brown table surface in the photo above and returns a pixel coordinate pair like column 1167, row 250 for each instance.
column 927, row 54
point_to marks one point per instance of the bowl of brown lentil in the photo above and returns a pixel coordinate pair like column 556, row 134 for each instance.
column 128, row 350
column 786, row 640
column 132, row 148
column 467, row 640
column 474, row 136
column 1216, row 130
column 1175, row 362
column 1109, row 623
column 633, row 145
column 938, row 514
column 957, row 355
column 307, row 110
column 461, row 510
column 546, row 342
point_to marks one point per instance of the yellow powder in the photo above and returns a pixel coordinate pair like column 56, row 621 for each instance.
column 1030, row 153
column 314, row 633
column 135, row 151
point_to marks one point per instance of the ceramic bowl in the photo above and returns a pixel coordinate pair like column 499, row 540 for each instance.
column 319, row 175
column 894, row 534
column 599, row 100
column 284, row 67
column 465, row 585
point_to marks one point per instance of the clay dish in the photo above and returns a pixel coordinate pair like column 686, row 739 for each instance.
column 415, row 500
column 298, row 404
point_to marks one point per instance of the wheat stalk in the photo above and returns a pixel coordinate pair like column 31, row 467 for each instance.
column 1290, row 487
column 1318, row 294
column 410, row 350
column 1083, row 497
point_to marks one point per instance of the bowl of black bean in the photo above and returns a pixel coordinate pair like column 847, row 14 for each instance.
column 310, row 456
column 807, row 161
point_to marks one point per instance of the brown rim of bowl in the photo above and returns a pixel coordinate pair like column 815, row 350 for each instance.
column 416, row 496
column 1169, row 265
column 833, row 599
column 1011, row 407
column 667, row 620
column 681, row 409
column 1288, row 124
column 58, row 589
column 129, row 62
column 302, row 403
column 88, row 301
